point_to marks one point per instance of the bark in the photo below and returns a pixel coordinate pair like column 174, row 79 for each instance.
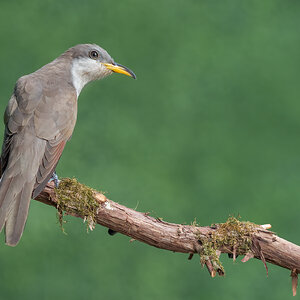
column 265, row 245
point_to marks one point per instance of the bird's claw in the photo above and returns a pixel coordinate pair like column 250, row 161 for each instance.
column 55, row 179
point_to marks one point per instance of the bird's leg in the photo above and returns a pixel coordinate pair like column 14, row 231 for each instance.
column 55, row 179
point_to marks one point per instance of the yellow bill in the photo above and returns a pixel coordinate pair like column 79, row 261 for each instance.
column 117, row 68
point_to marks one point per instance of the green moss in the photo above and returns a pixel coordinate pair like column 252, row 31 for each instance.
column 74, row 197
column 233, row 235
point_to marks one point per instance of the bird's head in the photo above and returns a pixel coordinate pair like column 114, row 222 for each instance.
column 91, row 62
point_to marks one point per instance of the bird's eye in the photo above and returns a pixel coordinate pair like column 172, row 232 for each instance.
column 94, row 54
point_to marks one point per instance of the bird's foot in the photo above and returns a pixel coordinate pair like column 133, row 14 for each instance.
column 55, row 179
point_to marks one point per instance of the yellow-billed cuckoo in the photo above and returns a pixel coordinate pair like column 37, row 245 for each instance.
column 39, row 120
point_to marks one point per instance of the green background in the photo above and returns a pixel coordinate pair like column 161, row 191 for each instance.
column 210, row 128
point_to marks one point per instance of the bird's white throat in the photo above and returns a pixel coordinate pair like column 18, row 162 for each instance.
column 84, row 70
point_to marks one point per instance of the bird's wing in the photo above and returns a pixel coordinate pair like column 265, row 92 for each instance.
column 39, row 120
column 54, row 121
column 18, row 113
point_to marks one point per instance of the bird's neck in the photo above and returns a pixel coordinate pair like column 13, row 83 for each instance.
column 84, row 70
column 79, row 76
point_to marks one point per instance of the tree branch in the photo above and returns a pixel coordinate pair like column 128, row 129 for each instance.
column 233, row 237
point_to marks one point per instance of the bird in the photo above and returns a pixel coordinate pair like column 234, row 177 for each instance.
column 39, row 119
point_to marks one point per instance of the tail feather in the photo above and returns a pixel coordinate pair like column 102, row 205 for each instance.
column 17, row 217
column 4, row 187
column 21, row 157
column 14, row 207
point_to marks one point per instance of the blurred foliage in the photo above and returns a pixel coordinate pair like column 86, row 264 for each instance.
column 210, row 128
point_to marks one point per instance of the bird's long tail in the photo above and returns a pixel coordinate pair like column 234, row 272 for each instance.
column 15, row 195
column 17, row 183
